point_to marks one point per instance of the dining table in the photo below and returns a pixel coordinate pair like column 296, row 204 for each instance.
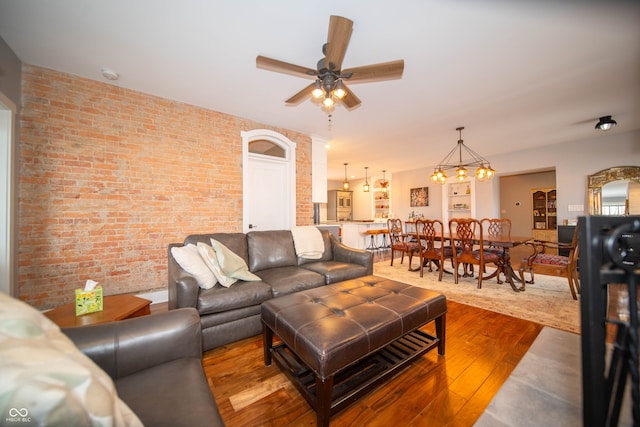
column 504, row 242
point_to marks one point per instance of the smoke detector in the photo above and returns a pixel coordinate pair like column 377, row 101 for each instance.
column 109, row 74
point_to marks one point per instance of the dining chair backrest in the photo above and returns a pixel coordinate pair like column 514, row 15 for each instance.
column 495, row 227
column 429, row 233
column 431, row 239
column 396, row 233
column 464, row 231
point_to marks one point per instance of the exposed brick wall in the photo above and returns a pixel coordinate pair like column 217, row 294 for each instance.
column 108, row 177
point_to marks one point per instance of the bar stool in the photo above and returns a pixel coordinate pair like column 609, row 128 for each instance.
column 385, row 244
column 372, row 246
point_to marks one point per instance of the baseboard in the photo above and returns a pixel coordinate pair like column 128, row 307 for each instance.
column 156, row 296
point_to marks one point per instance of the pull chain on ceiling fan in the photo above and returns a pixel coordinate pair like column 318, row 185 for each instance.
column 329, row 84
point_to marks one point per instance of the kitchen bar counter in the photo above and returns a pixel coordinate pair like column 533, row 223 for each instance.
column 353, row 233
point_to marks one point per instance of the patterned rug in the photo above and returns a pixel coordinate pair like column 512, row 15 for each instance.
column 547, row 302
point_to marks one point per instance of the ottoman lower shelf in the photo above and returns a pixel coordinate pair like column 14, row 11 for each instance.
column 359, row 378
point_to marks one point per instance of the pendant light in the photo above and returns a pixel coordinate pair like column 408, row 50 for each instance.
column 384, row 183
column 365, row 187
column 345, row 183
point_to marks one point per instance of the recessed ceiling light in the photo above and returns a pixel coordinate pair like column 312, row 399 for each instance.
column 109, row 74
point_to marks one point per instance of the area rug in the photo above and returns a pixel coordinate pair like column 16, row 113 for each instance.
column 548, row 301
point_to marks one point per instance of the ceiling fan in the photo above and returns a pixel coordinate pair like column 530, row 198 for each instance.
column 329, row 78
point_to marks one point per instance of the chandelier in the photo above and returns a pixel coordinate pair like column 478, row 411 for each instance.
column 483, row 171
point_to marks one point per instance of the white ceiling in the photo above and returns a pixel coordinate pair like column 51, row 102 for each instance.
column 516, row 73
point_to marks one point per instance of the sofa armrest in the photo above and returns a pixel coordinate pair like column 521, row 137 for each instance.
column 350, row 255
column 124, row 347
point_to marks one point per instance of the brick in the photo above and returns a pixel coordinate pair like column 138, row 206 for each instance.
column 110, row 176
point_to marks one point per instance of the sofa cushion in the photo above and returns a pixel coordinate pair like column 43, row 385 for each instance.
column 179, row 385
column 193, row 263
column 45, row 376
column 270, row 249
column 286, row 280
column 240, row 294
column 336, row 271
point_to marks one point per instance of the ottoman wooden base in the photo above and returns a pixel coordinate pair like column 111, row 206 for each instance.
column 340, row 341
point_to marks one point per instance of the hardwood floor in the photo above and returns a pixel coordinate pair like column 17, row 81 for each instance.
column 482, row 349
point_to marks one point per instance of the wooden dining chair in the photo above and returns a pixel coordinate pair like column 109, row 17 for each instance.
column 493, row 228
column 469, row 247
column 400, row 241
column 432, row 247
column 548, row 264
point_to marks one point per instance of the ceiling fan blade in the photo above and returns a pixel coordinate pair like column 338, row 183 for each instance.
column 350, row 101
column 337, row 41
column 284, row 67
column 300, row 96
column 376, row 72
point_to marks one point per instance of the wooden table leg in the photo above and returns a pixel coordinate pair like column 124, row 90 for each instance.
column 267, row 335
column 324, row 392
column 441, row 332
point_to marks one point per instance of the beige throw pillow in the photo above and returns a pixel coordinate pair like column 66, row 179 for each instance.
column 211, row 260
column 232, row 264
column 47, row 380
column 193, row 263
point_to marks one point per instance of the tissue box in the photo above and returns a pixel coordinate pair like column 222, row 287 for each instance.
column 88, row 301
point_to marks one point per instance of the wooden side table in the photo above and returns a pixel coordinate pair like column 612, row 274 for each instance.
column 116, row 307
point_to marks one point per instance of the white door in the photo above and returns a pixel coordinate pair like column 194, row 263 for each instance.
column 269, row 181
column 266, row 194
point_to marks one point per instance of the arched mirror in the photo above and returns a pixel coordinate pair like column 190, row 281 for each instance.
column 610, row 186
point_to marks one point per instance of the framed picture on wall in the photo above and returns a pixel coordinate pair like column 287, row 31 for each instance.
column 419, row 196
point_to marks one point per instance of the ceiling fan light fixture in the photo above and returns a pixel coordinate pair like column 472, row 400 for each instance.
column 328, row 102
column 317, row 91
column 339, row 91
column 605, row 123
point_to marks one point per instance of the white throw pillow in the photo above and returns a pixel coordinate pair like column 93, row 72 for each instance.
column 193, row 263
column 210, row 258
column 232, row 264
column 46, row 379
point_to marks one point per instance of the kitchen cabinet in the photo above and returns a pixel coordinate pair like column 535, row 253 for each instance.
column 339, row 205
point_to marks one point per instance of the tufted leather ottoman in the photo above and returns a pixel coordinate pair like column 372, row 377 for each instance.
column 339, row 341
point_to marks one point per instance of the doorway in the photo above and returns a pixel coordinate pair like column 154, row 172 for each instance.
column 269, row 177
column 7, row 117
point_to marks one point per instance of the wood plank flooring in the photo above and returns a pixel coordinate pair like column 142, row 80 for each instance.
column 482, row 349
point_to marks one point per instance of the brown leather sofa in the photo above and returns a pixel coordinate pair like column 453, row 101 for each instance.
column 156, row 365
column 231, row 314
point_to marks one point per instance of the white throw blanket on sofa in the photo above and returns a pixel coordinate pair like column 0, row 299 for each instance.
column 308, row 242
